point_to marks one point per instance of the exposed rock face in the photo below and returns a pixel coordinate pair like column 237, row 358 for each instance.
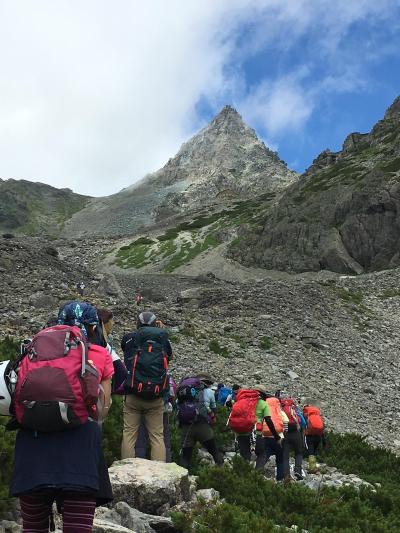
column 35, row 208
column 344, row 212
column 149, row 486
column 225, row 161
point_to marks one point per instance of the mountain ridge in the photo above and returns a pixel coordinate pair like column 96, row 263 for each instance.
column 343, row 212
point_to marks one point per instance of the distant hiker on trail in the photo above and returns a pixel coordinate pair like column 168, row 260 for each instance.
column 249, row 412
column 314, row 434
column 67, row 466
column 80, row 288
column 143, row 435
column 293, row 438
column 147, row 352
column 138, row 299
column 196, row 413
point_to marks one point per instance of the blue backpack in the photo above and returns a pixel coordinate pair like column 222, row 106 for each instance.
column 223, row 394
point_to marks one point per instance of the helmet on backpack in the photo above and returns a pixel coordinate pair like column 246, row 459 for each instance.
column 79, row 314
column 5, row 390
column 146, row 318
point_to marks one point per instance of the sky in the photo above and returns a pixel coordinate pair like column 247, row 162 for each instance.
column 95, row 94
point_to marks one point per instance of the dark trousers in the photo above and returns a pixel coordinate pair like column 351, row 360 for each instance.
column 209, row 445
column 293, row 441
column 191, row 434
column 312, row 443
column 244, row 443
column 272, row 447
column 142, row 440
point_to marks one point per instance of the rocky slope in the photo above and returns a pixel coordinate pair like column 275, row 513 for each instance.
column 224, row 162
column 28, row 208
column 329, row 338
column 342, row 215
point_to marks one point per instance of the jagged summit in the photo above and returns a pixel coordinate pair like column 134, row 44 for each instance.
column 222, row 163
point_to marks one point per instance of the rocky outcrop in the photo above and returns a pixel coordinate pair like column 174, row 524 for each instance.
column 224, row 162
column 35, row 208
column 149, row 486
column 342, row 215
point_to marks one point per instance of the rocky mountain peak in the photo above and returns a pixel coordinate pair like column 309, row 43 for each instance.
column 393, row 112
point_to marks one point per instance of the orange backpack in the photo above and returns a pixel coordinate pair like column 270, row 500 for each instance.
column 275, row 409
column 315, row 422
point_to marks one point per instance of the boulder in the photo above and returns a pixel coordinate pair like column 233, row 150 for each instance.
column 10, row 527
column 124, row 515
column 149, row 486
column 41, row 300
column 109, row 286
column 104, row 526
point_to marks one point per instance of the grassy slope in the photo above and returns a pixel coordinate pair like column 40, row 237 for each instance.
column 179, row 245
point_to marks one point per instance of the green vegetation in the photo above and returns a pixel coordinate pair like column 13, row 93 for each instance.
column 188, row 251
column 354, row 297
column 215, row 347
column 389, row 293
column 179, row 245
column 266, row 343
column 392, row 166
column 251, row 499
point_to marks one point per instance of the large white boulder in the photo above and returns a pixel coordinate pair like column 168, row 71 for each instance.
column 150, row 486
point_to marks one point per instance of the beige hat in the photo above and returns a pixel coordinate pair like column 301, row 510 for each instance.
column 206, row 378
column 260, row 388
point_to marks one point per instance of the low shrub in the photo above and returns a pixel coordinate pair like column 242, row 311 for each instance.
column 215, row 347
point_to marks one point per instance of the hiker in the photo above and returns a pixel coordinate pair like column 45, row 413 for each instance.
column 223, row 394
column 63, row 466
column 80, row 288
column 272, row 447
column 248, row 414
column 232, row 396
column 293, row 438
column 106, row 320
column 196, row 414
column 314, row 434
column 143, row 435
column 138, row 299
column 216, row 391
column 147, row 352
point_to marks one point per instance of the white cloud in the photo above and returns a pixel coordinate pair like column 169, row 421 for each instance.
column 95, row 94
column 278, row 106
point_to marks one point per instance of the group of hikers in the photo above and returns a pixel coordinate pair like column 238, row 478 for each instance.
column 59, row 390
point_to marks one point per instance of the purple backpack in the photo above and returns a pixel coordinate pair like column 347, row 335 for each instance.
column 190, row 398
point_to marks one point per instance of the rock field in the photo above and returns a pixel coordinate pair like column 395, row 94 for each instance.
column 329, row 338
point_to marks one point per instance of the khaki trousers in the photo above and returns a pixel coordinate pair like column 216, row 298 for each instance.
column 151, row 411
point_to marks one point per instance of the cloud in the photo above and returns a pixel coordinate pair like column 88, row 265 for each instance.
column 94, row 94
column 321, row 48
column 278, row 106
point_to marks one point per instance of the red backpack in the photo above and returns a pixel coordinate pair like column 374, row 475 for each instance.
column 315, row 422
column 243, row 415
column 57, row 387
column 289, row 407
